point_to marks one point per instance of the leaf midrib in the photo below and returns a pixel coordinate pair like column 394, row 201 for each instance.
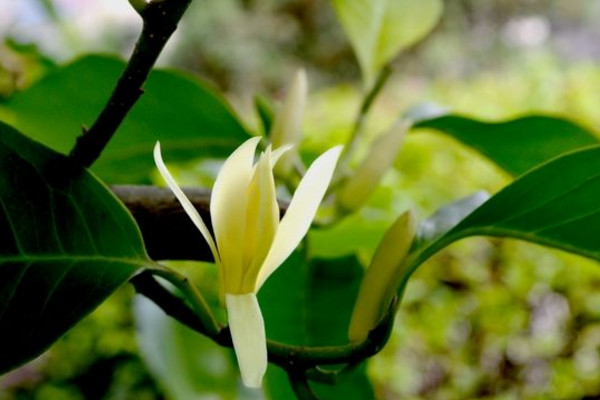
column 76, row 258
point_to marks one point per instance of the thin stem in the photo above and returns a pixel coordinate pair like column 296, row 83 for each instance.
column 330, row 376
column 146, row 285
column 289, row 357
column 193, row 296
column 365, row 107
column 168, row 232
column 160, row 21
column 301, row 387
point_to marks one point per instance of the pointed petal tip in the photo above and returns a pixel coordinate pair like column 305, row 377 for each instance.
column 301, row 211
column 336, row 151
column 253, row 141
column 156, row 152
column 184, row 201
column 278, row 152
column 301, row 82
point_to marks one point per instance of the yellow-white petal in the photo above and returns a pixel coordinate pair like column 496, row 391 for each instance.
column 277, row 153
column 185, row 202
column 287, row 127
column 300, row 212
column 262, row 219
column 248, row 335
column 379, row 159
column 380, row 282
column 228, row 206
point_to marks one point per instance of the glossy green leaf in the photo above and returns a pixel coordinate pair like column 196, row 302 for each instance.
column 449, row 216
column 67, row 244
column 380, row 29
column 283, row 291
column 516, row 145
column 324, row 291
column 310, row 303
column 556, row 204
column 189, row 118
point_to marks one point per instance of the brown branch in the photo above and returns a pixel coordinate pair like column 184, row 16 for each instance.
column 168, row 232
column 160, row 21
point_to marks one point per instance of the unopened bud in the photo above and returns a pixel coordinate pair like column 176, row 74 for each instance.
column 287, row 127
column 378, row 160
column 381, row 279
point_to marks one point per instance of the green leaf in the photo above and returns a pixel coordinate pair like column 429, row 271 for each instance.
column 266, row 115
column 516, row 145
column 556, row 205
column 283, row 291
column 310, row 303
column 321, row 291
column 380, row 29
column 67, row 244
column 449, row 216
column 190, row 119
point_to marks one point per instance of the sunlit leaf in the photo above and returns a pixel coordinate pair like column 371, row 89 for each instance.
column 516, row 145
column 380, row 29
column 449, row 216
column 67, row 244
column 190, row 119
column 556, row 204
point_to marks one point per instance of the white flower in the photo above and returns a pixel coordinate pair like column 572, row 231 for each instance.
column 250, row 241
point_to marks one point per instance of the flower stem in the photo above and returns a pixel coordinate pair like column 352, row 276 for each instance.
column 192, row 295
column 160, row 21
column 301, row 387
column 289, row 357
column 359, row 122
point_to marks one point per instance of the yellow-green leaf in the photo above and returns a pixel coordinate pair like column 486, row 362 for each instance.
column 380, row 29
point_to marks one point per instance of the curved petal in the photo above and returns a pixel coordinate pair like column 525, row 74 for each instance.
column 248, row 335
column 301, row 211
column 380, row 281
column 262, row 220
column 228, row 206
column 185, row 202
column 278, row 152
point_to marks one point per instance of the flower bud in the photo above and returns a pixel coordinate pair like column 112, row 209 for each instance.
column 381, row 279
column 287, row 127
column 367, row 176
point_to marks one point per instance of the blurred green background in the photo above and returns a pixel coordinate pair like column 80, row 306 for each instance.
column 485, row 319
